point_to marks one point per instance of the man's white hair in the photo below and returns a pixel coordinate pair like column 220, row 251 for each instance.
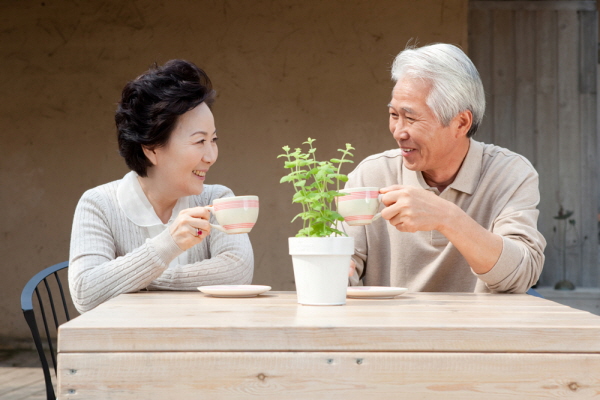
column 455, row 82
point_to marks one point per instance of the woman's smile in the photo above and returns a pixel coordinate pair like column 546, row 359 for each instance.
column 200, row 173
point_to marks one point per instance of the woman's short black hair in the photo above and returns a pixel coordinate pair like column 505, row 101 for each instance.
column 151, row 104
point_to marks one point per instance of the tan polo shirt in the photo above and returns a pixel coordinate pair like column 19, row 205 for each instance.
column 495, row 186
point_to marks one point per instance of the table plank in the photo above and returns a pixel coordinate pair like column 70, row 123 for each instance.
column 328, row 375
column 437, row 322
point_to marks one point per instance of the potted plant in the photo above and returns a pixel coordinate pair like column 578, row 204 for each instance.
column 320, row 252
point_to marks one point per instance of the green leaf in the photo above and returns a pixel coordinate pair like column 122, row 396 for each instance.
column 311, row 214
column 300, row 183
column 340, row 177
column 304, row 232
column 299, row 197
column 298, row 172
column 336, row 216
column 338, row 233
column 286, row 178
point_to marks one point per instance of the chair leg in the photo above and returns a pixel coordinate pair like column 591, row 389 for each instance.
column 30, row 318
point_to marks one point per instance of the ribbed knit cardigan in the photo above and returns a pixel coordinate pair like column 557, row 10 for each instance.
column 111, row 255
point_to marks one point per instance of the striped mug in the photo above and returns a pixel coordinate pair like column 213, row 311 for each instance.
column 235, row 214
column 359, row 205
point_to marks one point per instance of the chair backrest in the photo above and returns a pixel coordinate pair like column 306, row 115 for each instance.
column 52, row 309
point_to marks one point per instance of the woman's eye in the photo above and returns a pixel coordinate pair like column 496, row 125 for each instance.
column 201, row 141
column 215, row 139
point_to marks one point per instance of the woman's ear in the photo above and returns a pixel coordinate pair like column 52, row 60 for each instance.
column 150, row 154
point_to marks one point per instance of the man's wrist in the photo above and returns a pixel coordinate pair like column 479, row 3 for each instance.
column 450, row 220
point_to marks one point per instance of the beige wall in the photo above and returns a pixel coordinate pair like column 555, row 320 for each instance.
column 284, row 70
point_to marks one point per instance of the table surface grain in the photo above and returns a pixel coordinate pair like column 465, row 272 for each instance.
column 437, row 322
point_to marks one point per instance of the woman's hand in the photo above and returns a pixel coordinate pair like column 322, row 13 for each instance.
column 190, row 227
column 352, row 268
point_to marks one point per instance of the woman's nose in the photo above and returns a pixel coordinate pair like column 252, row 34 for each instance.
column 210, row 154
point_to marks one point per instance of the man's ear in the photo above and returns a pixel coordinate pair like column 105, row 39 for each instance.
column 462, row 123
column 150, row 154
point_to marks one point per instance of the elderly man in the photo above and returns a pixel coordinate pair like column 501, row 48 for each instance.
column 460, row 215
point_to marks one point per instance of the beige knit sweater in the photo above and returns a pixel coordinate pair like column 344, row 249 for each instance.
column 111, row 255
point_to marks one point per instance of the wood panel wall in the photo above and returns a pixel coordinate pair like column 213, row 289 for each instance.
column 538, row 63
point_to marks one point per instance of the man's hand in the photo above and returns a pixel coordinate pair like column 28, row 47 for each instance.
column 412, row 209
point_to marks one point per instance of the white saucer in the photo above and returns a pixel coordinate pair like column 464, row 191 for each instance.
column 374, row 292
column 234, row 290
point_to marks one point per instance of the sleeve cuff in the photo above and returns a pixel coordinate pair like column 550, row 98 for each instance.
column 509, row 259
column 165, row 247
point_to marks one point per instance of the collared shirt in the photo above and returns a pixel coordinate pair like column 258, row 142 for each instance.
column 136, row 206
column 494, row 186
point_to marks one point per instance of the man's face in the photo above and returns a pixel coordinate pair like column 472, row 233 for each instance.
column 425, row 143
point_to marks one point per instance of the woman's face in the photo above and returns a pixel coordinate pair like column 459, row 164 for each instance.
column 180, row 167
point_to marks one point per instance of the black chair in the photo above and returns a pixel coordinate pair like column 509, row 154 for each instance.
column 46, row 314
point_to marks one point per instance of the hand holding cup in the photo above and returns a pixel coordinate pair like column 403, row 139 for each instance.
column 189, row 223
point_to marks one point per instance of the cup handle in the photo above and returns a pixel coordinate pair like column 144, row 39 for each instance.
column 378, row 215
column 217, row 227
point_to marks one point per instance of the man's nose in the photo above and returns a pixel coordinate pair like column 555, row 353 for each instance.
column 399, row 132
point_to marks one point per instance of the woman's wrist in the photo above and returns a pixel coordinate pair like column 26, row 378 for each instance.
column 165, row 246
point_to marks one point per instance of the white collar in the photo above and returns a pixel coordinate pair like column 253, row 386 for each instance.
column 137, row 207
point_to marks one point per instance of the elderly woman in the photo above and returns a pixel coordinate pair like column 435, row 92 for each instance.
column 150, row 230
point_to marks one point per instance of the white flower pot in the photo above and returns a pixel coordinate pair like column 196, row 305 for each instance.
column 321, row 268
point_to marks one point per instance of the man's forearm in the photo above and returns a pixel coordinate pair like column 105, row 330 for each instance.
column 480, row 247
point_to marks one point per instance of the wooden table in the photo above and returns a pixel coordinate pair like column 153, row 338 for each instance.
column 184, row 345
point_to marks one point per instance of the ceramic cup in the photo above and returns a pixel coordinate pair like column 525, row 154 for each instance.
column 359, row 206
column 235, row 214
